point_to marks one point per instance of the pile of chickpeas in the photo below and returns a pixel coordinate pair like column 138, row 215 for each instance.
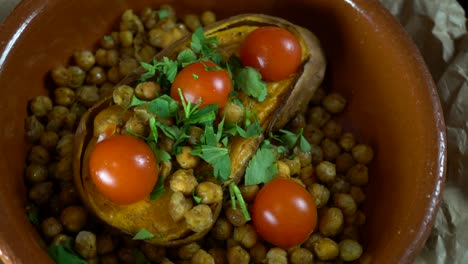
column 334, row 172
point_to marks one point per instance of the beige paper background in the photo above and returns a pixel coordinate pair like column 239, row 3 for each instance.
column 438, row 28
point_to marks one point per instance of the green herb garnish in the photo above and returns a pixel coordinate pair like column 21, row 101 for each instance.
column 186, row 57
column 236, row 195
column 196, row 198
column 163, row 13
column 32, row 212
column 217, row 157
column 205, row 47
column 143, row 234
column 289, row 139
column 163, row 106
column 250, row 82
column 262, row 167
column 64, row 254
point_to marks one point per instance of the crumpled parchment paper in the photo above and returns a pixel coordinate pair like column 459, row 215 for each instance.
column 438, row 27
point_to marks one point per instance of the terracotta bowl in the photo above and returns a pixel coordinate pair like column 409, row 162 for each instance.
column 393, row 105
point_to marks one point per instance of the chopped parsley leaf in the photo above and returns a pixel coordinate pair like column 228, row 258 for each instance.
column 143, row 234
column 64, row 254
column 217, row 157
column 250, row 82
column 262, row 167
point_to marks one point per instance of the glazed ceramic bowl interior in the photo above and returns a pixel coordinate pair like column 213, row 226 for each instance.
column 392, row 105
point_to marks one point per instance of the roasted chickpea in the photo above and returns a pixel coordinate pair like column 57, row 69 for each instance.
column 126, row 38
column 113, row 75
column 36, row 173
column 350, row 250
column 334, row 103
column 235, row 216
column 33, row 128
column 186, row 160
column 332, row 129
column 312, row 240
column 283, row 169
column 147, row 90
column 178, row 206
column 313, row 134
column 317, row 154
column 104, row 244
column 317, row 116
column 40, row 105
column 237, row 255
column 320, row 193
column 249, row 192
column 188, row 251
column 245, row 235
column 331, row 150
column 84, row 59
column 60, row 75
column 39, row 155
column 340, row 186
column 64, row 146
column 208, row 17
column 183, row 181
column 209, row 192
column 277, row 256
column 51, row 227
column 331, row 221
column 345, row 202
column 68, row 195
column 127, row 66
column 344, row 162
column 358, row 194
column 96, row 76
column 318, row 96
column 77, row 77
column 218, row 254
column 202, row 257
column 301, row 255
column 153, row 253
column 362, row 153
column 126, row 255
column 136, row 125
column 258, row 252
column 199, row 218
column 64, row 170
column 233, row 112
column 358, row 175
column 326, row 171
column 347, row 141
column 326, row 249
column 73, row 218
column 294, row 165
column 85, row 244
column 122, row 95
column 307, row 175
column 88, row 95
column 192, row 21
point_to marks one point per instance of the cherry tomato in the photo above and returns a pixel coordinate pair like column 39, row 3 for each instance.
column 205, row 81
column 284, row 213
column 123, row 168
column 273, row 51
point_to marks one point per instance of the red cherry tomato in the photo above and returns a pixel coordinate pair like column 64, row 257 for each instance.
column 205, row 81
column 123, row 168
column 273, row 51
column 284, row 213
